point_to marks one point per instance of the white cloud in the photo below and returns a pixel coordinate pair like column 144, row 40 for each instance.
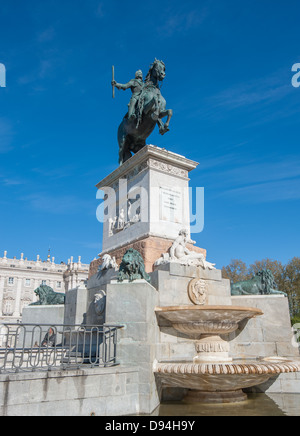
column 100, row 10
column 264, row 90
column 46, row 35
column 274, row 191
column 257, row 172
column 257, row 182
column 181, row 21
column 63, row 204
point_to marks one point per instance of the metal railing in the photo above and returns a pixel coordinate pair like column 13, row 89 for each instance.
column 32, row 347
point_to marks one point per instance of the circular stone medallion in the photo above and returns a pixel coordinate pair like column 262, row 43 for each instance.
column 197, row 291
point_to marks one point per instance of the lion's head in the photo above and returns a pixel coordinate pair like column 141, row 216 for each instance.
column 42, row 292
column 48, row 296
column 132, row 266
column 133, row 260
column 267, row 280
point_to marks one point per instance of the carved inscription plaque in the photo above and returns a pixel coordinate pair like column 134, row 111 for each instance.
column 170, row 204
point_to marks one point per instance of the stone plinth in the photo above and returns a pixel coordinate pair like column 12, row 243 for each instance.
column 172, row 282
column 43, row 314
column 132, row 305
column 75, row 306
column 97, row 285
column 173, row 279
column 110, row 391
column 268, row 335
column 48, row 315
column 148, row 196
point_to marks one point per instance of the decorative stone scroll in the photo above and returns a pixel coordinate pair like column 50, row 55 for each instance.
column 167, row 168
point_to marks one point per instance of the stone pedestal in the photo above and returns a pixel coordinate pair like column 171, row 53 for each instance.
column 96, row 286
column 132, row 305
column 43, row 314
column 75, row 306
column 173, row 279
column 48, row 315
column 267, row 335
column 146, row 204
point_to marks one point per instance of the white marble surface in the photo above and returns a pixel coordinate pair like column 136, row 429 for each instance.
column 160, row 179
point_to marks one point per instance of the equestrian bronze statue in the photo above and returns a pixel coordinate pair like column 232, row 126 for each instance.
column 146, row 108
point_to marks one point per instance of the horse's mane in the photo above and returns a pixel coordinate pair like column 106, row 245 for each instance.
column 152, row 66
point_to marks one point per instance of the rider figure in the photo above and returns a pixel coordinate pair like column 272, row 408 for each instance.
column 136, row 86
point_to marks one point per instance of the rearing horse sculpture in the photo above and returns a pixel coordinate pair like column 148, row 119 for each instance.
column 149, row 111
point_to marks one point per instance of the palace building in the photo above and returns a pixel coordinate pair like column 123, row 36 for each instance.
column 20, row 277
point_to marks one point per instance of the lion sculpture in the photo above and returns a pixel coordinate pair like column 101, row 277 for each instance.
column 132, row 267
column 262, row 283
column 47, row 297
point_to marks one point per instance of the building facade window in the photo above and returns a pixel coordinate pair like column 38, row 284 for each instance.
column 20, row 277
column 7, row 308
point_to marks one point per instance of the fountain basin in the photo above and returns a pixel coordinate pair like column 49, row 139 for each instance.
column 197, row 320
column 206, row 324
column 213, row 376
column 219, row 382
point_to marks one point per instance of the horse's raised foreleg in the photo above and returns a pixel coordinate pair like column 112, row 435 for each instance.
column 164, row 127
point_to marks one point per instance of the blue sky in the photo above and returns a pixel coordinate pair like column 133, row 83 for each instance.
column 228, row 66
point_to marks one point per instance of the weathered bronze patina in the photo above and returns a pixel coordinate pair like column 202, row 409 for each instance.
column 48, row 297
column 132, row 267
column 147, row 107
column 262, row 283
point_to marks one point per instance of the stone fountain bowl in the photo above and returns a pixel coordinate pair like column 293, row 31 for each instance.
column 220, row 382
column 214, row 376
column 197, row 320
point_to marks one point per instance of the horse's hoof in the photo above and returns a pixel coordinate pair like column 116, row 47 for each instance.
column 163, row 130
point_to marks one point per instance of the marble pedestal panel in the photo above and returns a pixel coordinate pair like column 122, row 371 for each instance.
column 132, row 305
column 49, row 315
column 268, row 335
column 148, row 196
column 172, row 282
column 75, row 306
